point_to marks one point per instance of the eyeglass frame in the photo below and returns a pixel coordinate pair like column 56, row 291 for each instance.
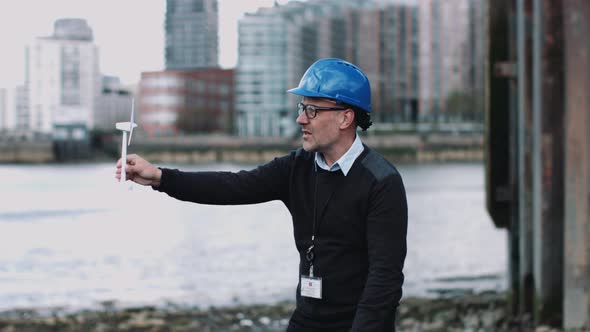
column 301, row 107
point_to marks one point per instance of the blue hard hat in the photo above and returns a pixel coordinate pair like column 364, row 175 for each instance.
column 338, row 80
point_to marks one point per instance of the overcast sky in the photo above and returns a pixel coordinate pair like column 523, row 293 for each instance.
column 129, row 33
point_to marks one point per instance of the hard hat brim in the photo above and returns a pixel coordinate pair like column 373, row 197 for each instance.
column 313, row 94
column 308, row 93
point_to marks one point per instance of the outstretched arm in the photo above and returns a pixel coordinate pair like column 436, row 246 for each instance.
column 264, row 183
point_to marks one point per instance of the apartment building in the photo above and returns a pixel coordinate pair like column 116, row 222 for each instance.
column 63, row 80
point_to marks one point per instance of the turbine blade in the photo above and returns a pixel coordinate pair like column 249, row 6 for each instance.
column 132, row 110
column 132, row 120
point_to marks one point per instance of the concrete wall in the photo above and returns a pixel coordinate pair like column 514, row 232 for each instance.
column 26, row 152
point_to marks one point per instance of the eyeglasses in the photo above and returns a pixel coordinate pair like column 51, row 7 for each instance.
column 311, row 111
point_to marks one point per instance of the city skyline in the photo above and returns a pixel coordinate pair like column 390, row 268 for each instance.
column 128, row 43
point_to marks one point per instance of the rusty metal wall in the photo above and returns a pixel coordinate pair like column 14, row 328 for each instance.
column 549, row 258
column 577, row 167
column 548, row 106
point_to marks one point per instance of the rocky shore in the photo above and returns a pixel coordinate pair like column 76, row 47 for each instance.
column 466, row 312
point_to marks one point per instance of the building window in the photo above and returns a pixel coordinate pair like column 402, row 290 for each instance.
column 70, row 76
column 198, row 6
column 163, row 100
column 163, row 82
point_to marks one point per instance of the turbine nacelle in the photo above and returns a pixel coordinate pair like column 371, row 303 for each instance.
column 126, row 126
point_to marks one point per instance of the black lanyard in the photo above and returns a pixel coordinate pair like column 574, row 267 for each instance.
column 310, row 255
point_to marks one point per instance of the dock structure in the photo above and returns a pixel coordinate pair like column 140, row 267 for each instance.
column 537, row 153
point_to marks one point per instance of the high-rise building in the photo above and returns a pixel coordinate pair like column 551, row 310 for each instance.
column 395, row 71
column 14, row 109
column 6, row 110
column 267, row 63
column 113, row 104
column 476, row 48
column 63, row 80
column 191, row 34
column 451, row 60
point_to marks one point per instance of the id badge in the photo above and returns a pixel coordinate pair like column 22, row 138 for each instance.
column 311, row 287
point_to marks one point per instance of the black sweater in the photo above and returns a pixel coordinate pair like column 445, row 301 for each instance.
column 360, row 241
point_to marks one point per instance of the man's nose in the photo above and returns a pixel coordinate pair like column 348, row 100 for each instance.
column 302, row 118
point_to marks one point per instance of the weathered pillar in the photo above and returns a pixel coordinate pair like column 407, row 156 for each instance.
column 548, row 102
column 577, row 168
column 500, row 155
column 524, row 153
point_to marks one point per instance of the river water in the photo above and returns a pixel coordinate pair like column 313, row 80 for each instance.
column 71, row 236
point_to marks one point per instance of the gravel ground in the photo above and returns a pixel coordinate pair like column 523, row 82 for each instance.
column 467, row 312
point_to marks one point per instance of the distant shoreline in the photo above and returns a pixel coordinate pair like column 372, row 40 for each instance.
column 201, row 149
column 226, row 149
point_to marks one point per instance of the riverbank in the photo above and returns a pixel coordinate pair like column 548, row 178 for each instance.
column 467, row 312
column 398, row 148
column 202, row 149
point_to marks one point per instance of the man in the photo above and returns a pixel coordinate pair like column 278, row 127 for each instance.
column 348, row 204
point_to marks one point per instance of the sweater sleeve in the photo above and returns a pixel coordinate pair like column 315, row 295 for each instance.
column 386, row 244
column 265, row 183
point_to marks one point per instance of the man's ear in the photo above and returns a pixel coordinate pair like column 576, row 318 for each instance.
column 347, row 119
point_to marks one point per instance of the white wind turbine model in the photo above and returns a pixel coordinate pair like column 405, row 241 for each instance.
column 126, row 127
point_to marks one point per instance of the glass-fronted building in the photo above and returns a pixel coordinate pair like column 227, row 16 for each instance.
column 264, row 73
column 191, row 31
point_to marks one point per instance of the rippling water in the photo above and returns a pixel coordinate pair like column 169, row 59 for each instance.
column 72, row 236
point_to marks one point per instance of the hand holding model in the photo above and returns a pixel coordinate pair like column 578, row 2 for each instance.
column 140, row 171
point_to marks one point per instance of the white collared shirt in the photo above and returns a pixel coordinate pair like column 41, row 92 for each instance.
column 345, row 162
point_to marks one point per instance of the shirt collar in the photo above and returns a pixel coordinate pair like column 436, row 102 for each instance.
column 345, row 162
